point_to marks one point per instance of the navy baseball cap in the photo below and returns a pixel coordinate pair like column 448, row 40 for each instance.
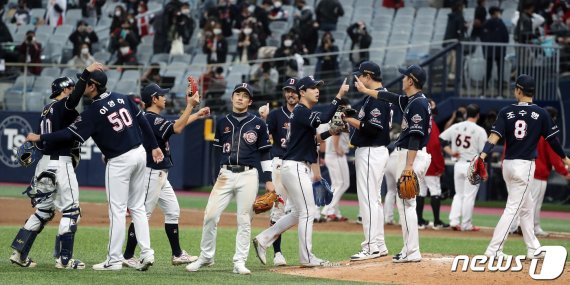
column 369, row 67
column 244, row 87
column 525, row 83
column 152, row 90
column 97, row 77
column 415, row 72
column 291, row 83
column 308, row 82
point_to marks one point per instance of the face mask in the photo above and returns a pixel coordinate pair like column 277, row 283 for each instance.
column 287, row 43
column 277, row 4
column 141, row 10
column 118, row 13
column 85, row 51
column 217, row 31
column 33, row 39
column 124, row 50
column 247, row 31
column 185, row 11
column 251, row 8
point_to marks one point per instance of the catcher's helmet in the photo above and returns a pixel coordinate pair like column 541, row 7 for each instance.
column 59, row 84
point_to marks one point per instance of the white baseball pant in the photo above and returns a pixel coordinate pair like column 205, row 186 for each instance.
column 517, row 174
column 279, row 209
column 296, row 177
column 461, row 213
column 391, row 191
column 370, row 164
column 340, row 181
column 159, row 191
column 538, row 189
column 431, row 183
column 124, row 176
column 409, row 218
column 244, row 186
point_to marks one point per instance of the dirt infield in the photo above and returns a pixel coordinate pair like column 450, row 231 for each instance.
column 433, row 269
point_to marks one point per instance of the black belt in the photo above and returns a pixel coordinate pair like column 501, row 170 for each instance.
column 56, row 156
column 237, row 168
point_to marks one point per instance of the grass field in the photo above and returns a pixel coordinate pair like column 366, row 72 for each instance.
column 334, row 246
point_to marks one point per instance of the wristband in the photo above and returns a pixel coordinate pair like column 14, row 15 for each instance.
column 325, row 135
column 322, row 155
column 488, row 148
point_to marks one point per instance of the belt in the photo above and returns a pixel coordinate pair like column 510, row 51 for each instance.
column 237, row 168
column 56, row 157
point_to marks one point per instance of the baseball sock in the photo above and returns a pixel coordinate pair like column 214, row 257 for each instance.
column 420, row 208
column 172, row 233
column 277, row 243
column 435, row 205
column 131, row 243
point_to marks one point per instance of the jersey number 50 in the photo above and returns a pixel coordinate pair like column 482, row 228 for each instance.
column 120, row 119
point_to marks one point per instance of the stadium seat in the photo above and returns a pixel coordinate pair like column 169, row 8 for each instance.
column 37, row 13
column 111, row 82
column 64, row 30
column 70, row 72
column 12, row 28
column 113, row 74
column 474, row 71
column 161, row 57
column 131, row 75
column 13, row 100
column 102, row 56
column 51, row 71
column 45, row 29
column 28, row 80
column 199, row 58
column 35, row 101
column 43, row 83
column 72, row 16
column 126, row 87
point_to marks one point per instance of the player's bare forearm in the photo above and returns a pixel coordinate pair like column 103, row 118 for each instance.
column 183, row 121
column 269, row 187
column 449, row 152
column 410, row 159
column 493, row 139
column 316, row 169
column 353, row 122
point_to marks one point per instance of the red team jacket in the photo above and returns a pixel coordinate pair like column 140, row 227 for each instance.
column 545, row 160
column 437, row 165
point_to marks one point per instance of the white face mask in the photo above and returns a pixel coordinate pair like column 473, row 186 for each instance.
column 118, row 13
column 84, row 51
column 247, row 31
column 251, row 8
column 124, row 50
column 217, row 31
column 277, row 4
column 287, row 43
column 185, row 11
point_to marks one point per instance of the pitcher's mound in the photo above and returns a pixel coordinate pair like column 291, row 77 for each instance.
column 433, row 269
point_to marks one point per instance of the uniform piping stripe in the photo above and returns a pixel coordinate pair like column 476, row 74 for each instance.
column 69, row 181
column 78, row 135
column 407, row 228
column 306, row 207
column 148, row 185
column 107, row 185
column 368, row 197
column 552, row 134
column 493, row 131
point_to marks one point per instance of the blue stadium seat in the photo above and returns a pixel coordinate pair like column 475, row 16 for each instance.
column 35, row 101
column 51, row 71
column 28, row 80
column 13, row 100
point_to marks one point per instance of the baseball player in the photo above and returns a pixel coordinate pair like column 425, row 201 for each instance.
column 278, row 125
column 244, row 142
column 157, row 187
column 432, row 181
column 546, row 159
column 391, row 177
column 302, row 140
column 463, row 141
column 520, row 126
column 410, row 149
column 371, row 137
column 56, row 163
column 117, row 127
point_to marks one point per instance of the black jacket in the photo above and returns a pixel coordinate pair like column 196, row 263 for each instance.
column 328, row 11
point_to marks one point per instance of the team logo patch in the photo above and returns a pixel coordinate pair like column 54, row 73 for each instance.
column 257, row 127
column 250, row 137
column 226, row 130
column 417, row 118
column 158, row 121
column 404, row 124
column 361, row 114
column 375, row 112
column 534, row 115
column 286, row 126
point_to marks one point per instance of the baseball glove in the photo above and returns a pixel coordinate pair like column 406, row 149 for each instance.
column 408, row 185
column 265, row 202
column 347, row 111
column 193, row 86
column 27, row 154
column 337, row 124
column 322, row 192
column 477, row 171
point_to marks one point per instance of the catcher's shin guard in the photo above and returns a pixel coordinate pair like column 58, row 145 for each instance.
column 23, row 242
column 66, row 237
column 57, row 247
column 66, row 247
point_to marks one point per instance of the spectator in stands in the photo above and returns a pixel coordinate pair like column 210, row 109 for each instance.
column 328, row 12
column 88, row 5
column 123, row 34
column 563, row 40
column 489, row 121
column 258, row 30
column 213, row 81
column 247, row 45
column 395, row 4
column 34, row 4
column 22, row 14
column 261, row 15
column 277, row 13
column 265, row 78
column 82, row 58
column 306, row 27
column 360, row 40
column 458, row 116
column 216, row 47
column 286, row 65
column 55, row 15
column 83, row 34
column 30, row 52
column 137, row 100
column 5, row 36
column 184, row 23
column 526, row 28
column 152, row 75
column 225, row 13
column 479, row 19
column 132, row 5
column 327, row 68
column 119, row 16
column 455, row 30
column 495, row 31
column 143, row 20
column 126, row 55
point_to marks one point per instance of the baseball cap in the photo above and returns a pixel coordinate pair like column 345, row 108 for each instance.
column 244, row 87
column 291, row 83
column 525, row 83
column 415, row 72
column 308, row 82
column 369, row 67
column 97, row 77
column 152, row 90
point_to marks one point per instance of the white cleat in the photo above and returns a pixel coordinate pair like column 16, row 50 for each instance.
column 104, row 266
column 16, row 259
column 132, row 262
column 72, row 264
column 196, row 265
column 241, row 269
column 541, row 233
column 259, row 251
column 279, row 259
column 146, row 263
column 365, row 255
column 184, row 258
column 316, row 262
column 398, row 258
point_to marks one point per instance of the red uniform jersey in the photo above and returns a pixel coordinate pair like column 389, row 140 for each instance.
column 437, row 165
column 546, row 159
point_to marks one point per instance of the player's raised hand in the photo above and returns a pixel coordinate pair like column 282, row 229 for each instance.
column 33, row 137
column 343, row 88
column 193, row 100
column 359, row 85
column 264, row 111
column 567, row 161
column 95, row 66
column 157, row 155
column 203, row 113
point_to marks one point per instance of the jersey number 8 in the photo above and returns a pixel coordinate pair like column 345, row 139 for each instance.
column 520, row 129
column 120, row 119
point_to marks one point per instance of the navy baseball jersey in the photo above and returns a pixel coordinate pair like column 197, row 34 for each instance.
column 241, row 140
column 521, row 126
column 162, row 129
column 378, row 114
column 416, row 119
column 112, row 121
column 301, row 144
column 278, row 124
column 57, row 116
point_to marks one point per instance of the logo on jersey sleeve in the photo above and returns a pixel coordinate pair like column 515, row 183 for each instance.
column 250, row 137
column 227, row 130
column 404, row 124
column 158, row 121
column 534, row 115
column 286, row 125
column 375, row 112
column 361, row 114
column 416, row 118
